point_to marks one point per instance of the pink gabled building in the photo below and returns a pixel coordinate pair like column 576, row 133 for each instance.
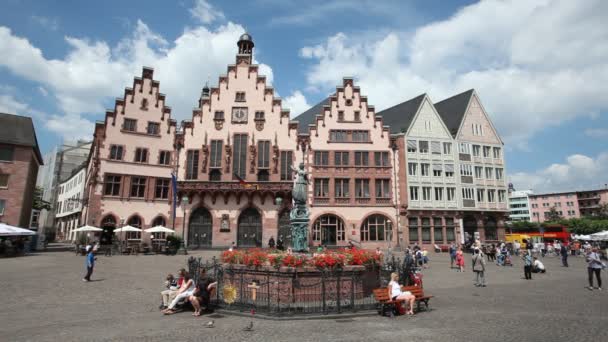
column 571, row 204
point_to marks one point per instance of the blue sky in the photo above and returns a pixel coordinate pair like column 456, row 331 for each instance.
column 540, row 67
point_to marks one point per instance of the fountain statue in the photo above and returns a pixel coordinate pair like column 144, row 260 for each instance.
column 300, row 215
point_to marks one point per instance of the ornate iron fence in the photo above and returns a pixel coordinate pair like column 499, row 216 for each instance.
column 291, row 292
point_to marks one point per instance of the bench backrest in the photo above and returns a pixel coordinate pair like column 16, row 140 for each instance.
column 415, row 290
column 382, row 294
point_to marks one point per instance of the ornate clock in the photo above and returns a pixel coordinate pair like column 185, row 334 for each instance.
column 239, row 114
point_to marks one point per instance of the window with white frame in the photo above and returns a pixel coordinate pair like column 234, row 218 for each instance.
column 502, row 196
column 413, row 193
column 468, row 194
column 451, row 194
column 423, row 146
column 438, row 194
column 437, row 170
column 412, row 169
column 466, row 170
column 449, row 170
column 435, row 147
column 465, row 148
column 479, row 172
column 489, row 173
column 425, row 169
column 491, row 196
column 476, row 150
column 411, row 146
column 480, row 195
column 499, row 174
column 497, row 153
column 447, row 148
column 486, row 151
column 426, row 193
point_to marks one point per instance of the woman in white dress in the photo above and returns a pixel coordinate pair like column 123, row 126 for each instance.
column 185, row 291
column 397, row 294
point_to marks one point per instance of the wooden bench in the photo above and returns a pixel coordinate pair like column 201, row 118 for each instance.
column 420, row 296
column 387, row 304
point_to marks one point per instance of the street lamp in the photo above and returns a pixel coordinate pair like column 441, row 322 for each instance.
column 182, row 246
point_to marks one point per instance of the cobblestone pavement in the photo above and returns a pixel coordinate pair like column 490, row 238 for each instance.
column 44, row 299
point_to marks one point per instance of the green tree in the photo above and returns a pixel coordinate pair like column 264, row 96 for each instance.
column 39, row 203
column 553, row 215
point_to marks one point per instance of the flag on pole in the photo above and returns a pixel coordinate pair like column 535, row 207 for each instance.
column 244, row 183
column 174, row 187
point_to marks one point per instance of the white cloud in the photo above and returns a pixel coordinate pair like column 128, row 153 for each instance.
column 597, row 132
column 578, row 172
column 93, row 73
column 70, row 126
column 525, row 63
column 43, row 91
column 10, row 105
column 205, row 12
column 296, row 103
column 46, row 22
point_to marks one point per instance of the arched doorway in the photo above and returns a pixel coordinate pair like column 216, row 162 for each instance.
column 249, row 233
column 200, row 229
column 470, row 228
column 491, row 233
column 285, row 229
column 108, row 224
column 328, row 229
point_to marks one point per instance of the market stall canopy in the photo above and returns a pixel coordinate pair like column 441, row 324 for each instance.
column 6, row 230
column 88, row 228
column 601, row 236
column 159, row 229
column 127, row 229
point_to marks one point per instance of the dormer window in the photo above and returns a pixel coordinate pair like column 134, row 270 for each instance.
column 240, row 96
column 219, row 115
column 144, row 104
column 259, row 115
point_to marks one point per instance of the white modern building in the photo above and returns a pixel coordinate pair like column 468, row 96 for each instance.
column 70, row 197
column 519, row 205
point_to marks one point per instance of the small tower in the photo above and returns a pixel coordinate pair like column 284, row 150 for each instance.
column 205, row 92
column 245, row 45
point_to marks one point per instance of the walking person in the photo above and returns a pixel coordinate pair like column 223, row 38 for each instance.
column 452, row 255
column 527, row 265
column 479, row 267
column 90, row 263
column 595, row 265
column 564, row 253
column 460, row 260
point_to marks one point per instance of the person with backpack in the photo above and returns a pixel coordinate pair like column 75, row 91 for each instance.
column 479, row 267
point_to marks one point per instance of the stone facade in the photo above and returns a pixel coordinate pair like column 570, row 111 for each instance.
column 130, row 163
column 18, row 195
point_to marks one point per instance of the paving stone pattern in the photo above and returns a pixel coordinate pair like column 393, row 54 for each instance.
column 44, row 299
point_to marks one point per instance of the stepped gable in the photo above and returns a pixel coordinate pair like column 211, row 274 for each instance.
column 130, row 94
column 452, row 110
column 400, row 117
column 339, row 102
column 309, row 117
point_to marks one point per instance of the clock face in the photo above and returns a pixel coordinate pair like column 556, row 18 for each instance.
column 239, row 114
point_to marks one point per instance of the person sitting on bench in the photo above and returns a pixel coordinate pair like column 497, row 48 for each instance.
column 398, row 295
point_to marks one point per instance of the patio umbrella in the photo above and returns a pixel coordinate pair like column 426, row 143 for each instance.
column 87, row 228
column 159, row 229
column 127, row 229
column 6, row 230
